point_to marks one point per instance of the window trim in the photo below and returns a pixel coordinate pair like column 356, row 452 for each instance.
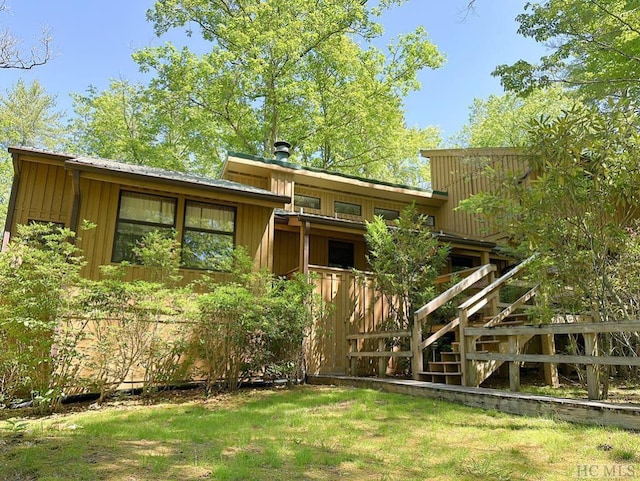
column 136, row 222
column 231, row 234
column 337, row 202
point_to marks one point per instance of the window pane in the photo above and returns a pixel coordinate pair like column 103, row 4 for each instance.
column 386, row 214
column 206, row 250
column 128, row 235
column 209, row 217
column 347, row 208
column 307, row 201
column 147, row 208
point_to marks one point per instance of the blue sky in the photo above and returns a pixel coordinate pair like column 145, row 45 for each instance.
column 94, row 41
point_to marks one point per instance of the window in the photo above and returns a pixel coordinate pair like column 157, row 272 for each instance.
column 306, row 201
column 386, row 214
column 138, row 215
column 431, row 221
column 341, row 254
column 38, row 237
column 208, row 237
column 347, row 208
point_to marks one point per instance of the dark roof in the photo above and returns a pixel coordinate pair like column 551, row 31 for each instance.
column 157, row 174
column 163, row 175
column 292, row 166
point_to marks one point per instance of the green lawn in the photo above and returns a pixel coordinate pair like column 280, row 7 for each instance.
column 314, row 433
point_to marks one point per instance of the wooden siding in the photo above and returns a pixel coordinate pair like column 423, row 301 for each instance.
column 248, row 179
column 328, row 197
column 461, row 175
column 45, row 193
column 358, row 307
column 99, row 204
column 286, row 251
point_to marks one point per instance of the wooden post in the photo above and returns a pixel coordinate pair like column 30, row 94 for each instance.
column 305, row 227
column 465, row 368
column 593, row 381
column 417, row 360
column 382, row 361
column 353, row 360
column 492, row 308
column 75, row 206
column 514, row 366
column 550, row 369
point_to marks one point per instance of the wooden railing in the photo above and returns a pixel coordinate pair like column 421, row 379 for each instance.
column 487, row 297
column 589, row 331
column 418, row 345
column 381, row 353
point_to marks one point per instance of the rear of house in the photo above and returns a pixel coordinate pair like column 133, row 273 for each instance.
column 289, row 218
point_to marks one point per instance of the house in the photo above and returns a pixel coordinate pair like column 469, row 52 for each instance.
column 289, row 218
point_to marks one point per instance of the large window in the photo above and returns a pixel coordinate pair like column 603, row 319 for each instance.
column 138, row 215
column 208, row 237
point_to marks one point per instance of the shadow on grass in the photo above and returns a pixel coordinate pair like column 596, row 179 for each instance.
column 303, row 433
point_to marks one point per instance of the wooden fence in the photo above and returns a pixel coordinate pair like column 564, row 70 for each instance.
column 357, row 307
column 589, row 332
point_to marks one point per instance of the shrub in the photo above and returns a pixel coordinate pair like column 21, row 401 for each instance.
column 37, row 274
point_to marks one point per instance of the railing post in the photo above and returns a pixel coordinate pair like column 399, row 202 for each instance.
column 514, row 366
column 591, row 349
column 550, row 369
column 382, row 361
column 417, row 361
column 462, row 347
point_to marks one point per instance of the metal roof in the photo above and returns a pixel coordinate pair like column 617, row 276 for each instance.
column 180, row 177
column 292, row 166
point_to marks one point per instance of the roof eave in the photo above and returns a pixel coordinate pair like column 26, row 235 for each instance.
column 276, row 198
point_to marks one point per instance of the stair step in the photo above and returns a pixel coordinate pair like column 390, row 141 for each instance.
column 443, row 378
column 436, row 373
column 450, row 356
column 444, row 367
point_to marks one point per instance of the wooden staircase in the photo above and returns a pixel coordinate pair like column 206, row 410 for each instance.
column 451, row 369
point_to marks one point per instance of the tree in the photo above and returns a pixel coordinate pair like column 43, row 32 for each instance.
column 504, row 120
column 406, row 259
column 302, row 70
column 595, row 48
column 28, row 117
column 576, row 210
column 133, row 124
column 12, row 56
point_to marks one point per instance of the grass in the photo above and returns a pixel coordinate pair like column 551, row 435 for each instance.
column 314, row 433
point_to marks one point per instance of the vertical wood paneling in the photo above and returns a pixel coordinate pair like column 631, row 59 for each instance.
column 45, row 194
column 357, row 308
column 462, row 176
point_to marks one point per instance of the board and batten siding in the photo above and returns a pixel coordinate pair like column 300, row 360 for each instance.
column 45, row 193
column 99, row 205
column 461, row 174
column 357, row 307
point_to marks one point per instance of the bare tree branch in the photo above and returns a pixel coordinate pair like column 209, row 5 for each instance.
column 13, row 56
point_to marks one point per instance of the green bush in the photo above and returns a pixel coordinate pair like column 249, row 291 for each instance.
column 38, row 272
